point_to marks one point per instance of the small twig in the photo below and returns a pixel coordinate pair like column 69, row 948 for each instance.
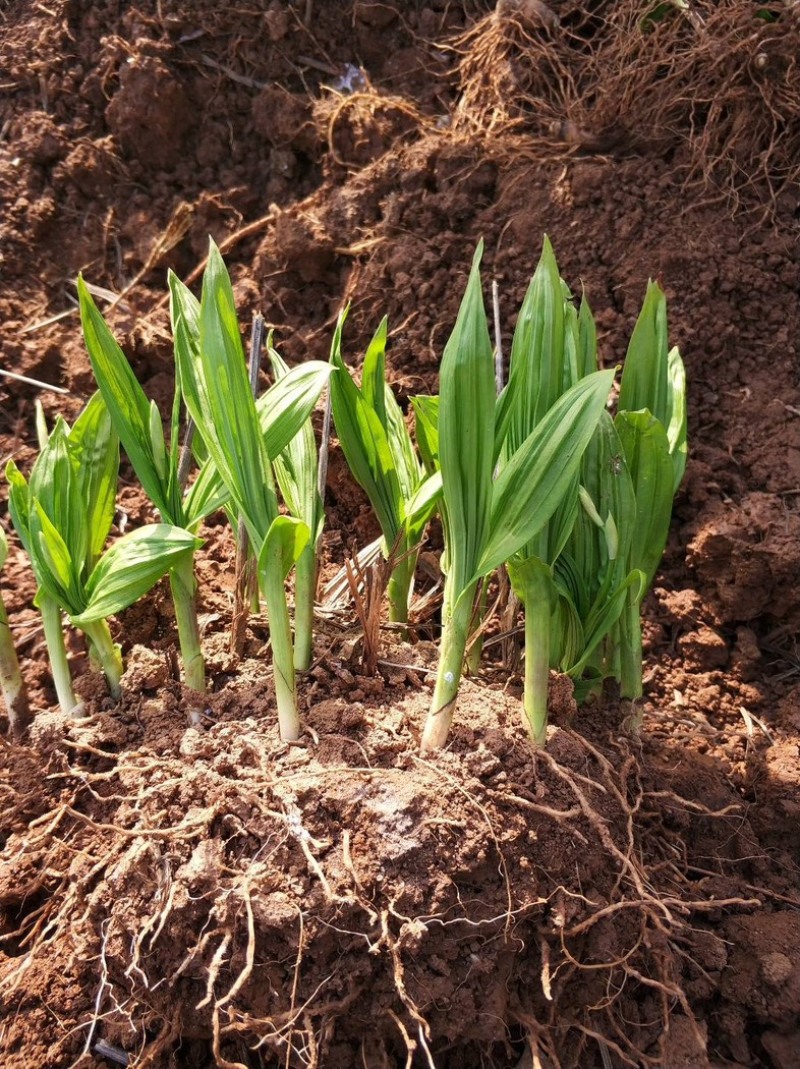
column 175, row 231
column 33, row 382
column 225, row 246
column 241, row 79
column 367, row 587
column 42, row 323
column 317, row 65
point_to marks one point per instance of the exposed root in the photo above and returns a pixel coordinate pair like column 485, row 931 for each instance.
column 283, row 927
column 715, row 85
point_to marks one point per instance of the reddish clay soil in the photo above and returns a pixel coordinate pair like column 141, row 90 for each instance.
column 178, row 898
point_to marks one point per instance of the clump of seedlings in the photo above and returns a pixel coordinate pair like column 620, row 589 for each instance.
column 542, row 481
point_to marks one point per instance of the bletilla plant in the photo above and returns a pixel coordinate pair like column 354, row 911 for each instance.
column 216, row 388
column 487, row 519
column 381, row 455
column 161, row 468
column 63, row 515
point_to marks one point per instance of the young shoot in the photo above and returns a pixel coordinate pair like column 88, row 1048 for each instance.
column 11, row 684
column 381, row 455
column 486, row 520
column 297, row 473
column 63, row 515
column 242, row 441
column 137, row 422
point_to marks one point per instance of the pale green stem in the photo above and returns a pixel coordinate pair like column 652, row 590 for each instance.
column 400, row 581
column 455, row 632
column 280, row 634
column 476, row 649
column 537, row 655
column 11, row 684
column 57, row 652
column 305, row 590
column 631, row 688
column 184, row 590
column 107, row 653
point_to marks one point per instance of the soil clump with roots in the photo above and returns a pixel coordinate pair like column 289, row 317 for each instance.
column 187, row 898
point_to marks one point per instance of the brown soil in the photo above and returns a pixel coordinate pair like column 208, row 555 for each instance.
column 171, row 897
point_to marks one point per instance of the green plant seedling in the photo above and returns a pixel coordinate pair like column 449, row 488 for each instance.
column 297, row 470
column 160, row 468
column 487, row 520
column 381, row 455
column 651, row 423
column 63, row 515
column 241, row 447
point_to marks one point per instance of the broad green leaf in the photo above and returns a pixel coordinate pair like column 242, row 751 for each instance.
column 373, row 373
column 127, row 405
column 19, row 504
column 286, row 539
column 538, row 372
column 207, row 494
column 525, row 572
column 296, row 466
column 365, row 444
column 466, row 435
column 131, row 567
column 571, row 344
column 94, row 447
column 676, row 431
column 185, row 305
column 378, row 396
column 55, row 485
column 426, row 414
column 217, row 392
column 241, row 455
column 420, row 506
column 282, row 410
column 587, row 339
column 157, row 443
column 533, row 483
column 604, row 614
column 42, row 433
column 646, row 448
column 566, row 632
column 53, row 564
column 645, row 376
column 606, row 481
column 288, row 403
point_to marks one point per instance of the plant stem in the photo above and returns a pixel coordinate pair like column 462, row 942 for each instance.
column 280, row 633
column 399, row 588
column 11, row 684
column 183, row 585
column 537, row 655
column 57, row 652
column 476, row 649
column 305, row 590
column 630, row 653
column 455, row 632
column 107, row 653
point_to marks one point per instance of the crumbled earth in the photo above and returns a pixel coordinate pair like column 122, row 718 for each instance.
column 186, row 897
